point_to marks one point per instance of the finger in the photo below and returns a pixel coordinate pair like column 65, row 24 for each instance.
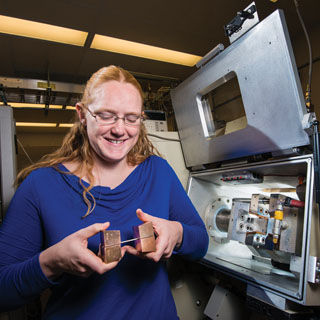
column 131, row 250
column 123, row 252
column 108, row 266
column 95, row 264
column 135, row 252
column 156, row 255
column 144, row 217
column 141, row 215
column 90, row 231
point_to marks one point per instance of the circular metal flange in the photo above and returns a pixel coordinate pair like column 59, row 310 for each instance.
column 217, row 217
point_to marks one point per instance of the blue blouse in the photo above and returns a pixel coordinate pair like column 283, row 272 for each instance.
column 48, row 206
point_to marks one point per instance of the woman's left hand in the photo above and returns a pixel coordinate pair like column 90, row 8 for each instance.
column 169, row 236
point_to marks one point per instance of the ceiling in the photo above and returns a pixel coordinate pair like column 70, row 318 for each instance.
column 193, row 27
column 189, row 26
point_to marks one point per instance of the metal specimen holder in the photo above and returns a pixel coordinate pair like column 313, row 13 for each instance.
column 110, row 247
column 144, row 234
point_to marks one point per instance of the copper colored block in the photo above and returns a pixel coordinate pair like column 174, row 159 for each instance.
column 146, row 241
column 110, row 245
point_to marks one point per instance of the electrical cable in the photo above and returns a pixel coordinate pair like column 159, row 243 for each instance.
column 308, row 90
column 163, row 138
column 25, row 152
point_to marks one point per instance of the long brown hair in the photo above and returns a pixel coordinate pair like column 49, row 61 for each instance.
column 76, row 147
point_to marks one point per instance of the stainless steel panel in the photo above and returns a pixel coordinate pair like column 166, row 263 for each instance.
column 7, row 158
column 264, row 64
column 36, row 84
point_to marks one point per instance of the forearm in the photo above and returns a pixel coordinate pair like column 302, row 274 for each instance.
column 21, row 282
column 49, row 265
column 195, row 242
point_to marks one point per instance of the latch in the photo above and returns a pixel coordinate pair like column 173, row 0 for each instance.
column 314, row 270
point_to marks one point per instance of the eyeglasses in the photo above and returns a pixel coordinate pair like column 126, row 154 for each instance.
column 107, row 118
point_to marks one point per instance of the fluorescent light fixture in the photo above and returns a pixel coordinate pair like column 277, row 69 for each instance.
column 54, row 106
column 70, row 107
column 65, row 125
column 27, row 105
column 43, row 125
column 35, row 124
column 43, row 31
column 142, row 50
column 34, row 105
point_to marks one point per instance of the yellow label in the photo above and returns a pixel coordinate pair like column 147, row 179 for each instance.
column 44, row 85
column 278, row 215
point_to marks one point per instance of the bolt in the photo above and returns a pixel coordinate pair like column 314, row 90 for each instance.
column 198, row 303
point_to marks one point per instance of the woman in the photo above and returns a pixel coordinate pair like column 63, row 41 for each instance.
column 105, row 175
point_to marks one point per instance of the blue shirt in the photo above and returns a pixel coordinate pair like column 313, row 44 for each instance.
column 48, row 206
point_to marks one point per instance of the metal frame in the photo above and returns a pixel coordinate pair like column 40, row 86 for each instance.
column 205, row 186
column 7, row 157
column 263, row 61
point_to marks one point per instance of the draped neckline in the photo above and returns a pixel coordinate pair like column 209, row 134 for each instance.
column 120, row 196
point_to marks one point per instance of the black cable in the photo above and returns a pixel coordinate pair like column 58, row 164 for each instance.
column 163, row 138
column 308, row 90
column 316, row 155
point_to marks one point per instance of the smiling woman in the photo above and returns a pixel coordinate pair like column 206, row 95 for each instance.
column 80, row 149
column 112, row 142
column 105, row 171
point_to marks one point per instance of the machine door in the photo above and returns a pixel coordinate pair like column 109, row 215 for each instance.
column 248, row 100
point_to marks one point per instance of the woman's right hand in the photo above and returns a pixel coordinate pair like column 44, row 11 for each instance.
column 71, row 255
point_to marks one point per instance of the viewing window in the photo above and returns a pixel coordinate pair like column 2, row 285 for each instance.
column 221, row 107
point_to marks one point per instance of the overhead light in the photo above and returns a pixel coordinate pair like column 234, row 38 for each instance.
column 65, row 125
column 44, row 124
column 35, row 124
column 26, row 105
column 38, row 106
column 53, row 106
column 43, row 31
column 142, row 50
